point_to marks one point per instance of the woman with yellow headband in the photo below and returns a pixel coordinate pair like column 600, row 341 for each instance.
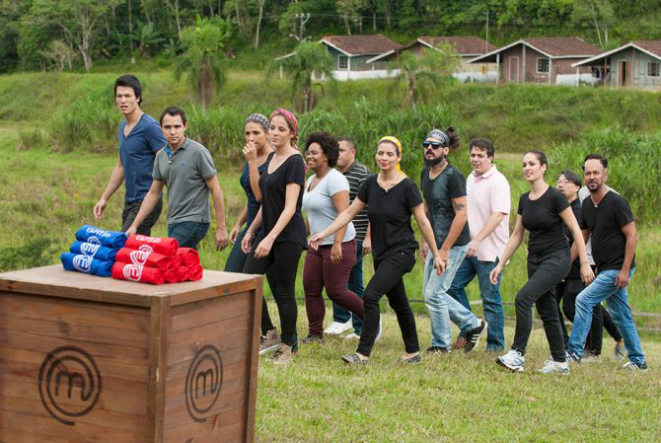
column 391, row 199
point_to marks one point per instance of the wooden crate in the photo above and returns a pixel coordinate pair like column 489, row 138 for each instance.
column 90, row 359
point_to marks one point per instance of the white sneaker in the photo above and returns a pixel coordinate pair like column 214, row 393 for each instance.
column 352, row 336
column 513, row 361
column 555, row 367
column 337, row 328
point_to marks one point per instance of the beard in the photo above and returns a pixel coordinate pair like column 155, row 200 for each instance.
column 434, row 161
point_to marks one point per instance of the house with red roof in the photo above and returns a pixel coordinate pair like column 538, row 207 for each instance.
column 351, row 52
column 545, row 60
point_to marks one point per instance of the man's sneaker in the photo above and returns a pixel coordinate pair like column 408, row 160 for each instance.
column 352, row 336
column 312, row 339
column 513, row 361
column 283, row 355
column 555, row 367
column 269, row 342
column 573, row 358
column 620, row 352
column 337, row 328
column 460, row 342
column 591, row 358
column 437, row 350
column 474, row 335
column 631, row 366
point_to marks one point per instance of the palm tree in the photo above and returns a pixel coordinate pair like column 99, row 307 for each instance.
column 308, row 59
column 427, row 70
column 204, row 59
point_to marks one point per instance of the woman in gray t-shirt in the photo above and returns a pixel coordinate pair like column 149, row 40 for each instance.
column 326, row 195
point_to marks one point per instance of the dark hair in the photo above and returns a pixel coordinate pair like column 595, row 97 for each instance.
column 569, row 175
column 349, row 140
column 130, row 81
column 172, row 111
column 328, row 144
column 454, row 138
column 483, row 144
column 601, row 158
column 541, row 157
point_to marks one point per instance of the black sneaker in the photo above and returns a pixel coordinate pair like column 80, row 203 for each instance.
column 631, row 366
column 312, row 339
column 474, row 336
column 437, row 350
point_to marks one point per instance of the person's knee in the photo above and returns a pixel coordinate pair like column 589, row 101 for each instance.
column 522, row 301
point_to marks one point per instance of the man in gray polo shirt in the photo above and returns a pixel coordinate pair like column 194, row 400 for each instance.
column 187, row 169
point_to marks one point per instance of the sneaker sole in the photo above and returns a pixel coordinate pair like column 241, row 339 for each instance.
column 269, row 349
column 509, row 368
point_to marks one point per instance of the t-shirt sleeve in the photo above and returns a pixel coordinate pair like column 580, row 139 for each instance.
column 205, row 164
column 559, row 201
column 501, row 201
column 623, row 215
column 363, row 190
column 336, row 183
column 457, row 185
column 156, row 172
column 413, row 197
column 155, row 138
column 296, row 172
column 522, row 204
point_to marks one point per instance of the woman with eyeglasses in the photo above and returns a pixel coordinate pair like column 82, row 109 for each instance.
column 391, row 199
column 544, row 212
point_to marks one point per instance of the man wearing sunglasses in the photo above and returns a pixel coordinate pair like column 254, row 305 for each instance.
column 444, row 190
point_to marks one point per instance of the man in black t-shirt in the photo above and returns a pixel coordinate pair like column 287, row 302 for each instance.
column 606, row 216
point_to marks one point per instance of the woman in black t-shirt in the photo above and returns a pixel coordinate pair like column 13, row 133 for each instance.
column 544, row 212
column 281, row 240
column 391, row 199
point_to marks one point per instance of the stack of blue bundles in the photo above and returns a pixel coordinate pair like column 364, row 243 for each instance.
column 94, row 251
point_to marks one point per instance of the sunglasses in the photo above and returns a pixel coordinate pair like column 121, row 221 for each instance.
column 433, row 145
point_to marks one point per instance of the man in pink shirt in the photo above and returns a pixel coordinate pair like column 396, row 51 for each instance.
column 489, row 202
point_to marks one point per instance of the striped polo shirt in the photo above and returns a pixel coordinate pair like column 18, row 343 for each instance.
column 356, row 174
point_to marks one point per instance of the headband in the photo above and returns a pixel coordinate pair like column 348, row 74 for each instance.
column 291, row 120
column 440, row 136
column 258, row 118
column 396, row 142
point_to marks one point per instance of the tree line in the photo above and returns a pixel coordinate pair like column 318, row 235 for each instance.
column 73, row 34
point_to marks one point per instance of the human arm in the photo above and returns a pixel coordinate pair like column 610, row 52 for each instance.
column 222, row 239
column 512, row 245
column 492, row 223
column 116, row 178
column 342, row 220
column 292, row 191
column 250, row 154
column 458, row 223
column 148, row 204
column 239, row 223
column 340, row 202
column 367, row 241
column 428, row 235
column 246, row 243
column 631, row 235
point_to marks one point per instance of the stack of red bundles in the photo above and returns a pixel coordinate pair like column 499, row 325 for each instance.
column 156, row 260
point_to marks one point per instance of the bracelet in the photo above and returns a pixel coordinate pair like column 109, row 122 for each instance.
column 250, row 233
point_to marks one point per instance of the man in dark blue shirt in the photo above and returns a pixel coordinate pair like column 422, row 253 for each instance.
column 140, row 137
column 606, row 216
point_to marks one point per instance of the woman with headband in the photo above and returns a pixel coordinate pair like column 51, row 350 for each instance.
column 543, row 211
column 255, row 151
column 391, row 199
column 277, row 247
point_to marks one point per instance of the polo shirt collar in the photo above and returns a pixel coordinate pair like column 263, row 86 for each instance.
column 492, row 170
column 169, row 152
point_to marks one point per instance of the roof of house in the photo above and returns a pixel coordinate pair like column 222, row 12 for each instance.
column 360, row 44
column 466, row 46
column 552, row 47
column 649, row 47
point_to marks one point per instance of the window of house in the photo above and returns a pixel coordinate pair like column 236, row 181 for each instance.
column 543, row 65
column 653, row 69
column 343, row 62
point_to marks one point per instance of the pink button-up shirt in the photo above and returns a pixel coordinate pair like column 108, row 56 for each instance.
column 486, row 194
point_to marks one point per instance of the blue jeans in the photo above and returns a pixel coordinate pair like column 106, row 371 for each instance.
column 603, row 288
column 237, row 258
column 443, row 308
column 355, row 285
column 492, row 304
column 188, row 233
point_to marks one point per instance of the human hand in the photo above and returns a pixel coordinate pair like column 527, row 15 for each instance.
column 234, row 233
column 222, row 239
column 367, row 245
column 493, row 276
column 99, row 207
column 473, row 246
column 586, row 274
column 264, row 248
column 246, row 243
column 131, row 231
column 336, row 253
column 315, row 240
column 250, row 152
column 439, row 264
column 622, row 279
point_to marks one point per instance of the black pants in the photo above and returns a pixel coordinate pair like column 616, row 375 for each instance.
column 388, row 280
column 281, row 264
column 130, row 211
column 544, row 272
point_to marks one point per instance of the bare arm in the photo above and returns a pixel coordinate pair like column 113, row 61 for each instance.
column 494, row 220
column 428, row 234
column 239, row 223
column 340, row 202
column 116, row 179
column 568, row 217
column 148, row 204
column 629, row 231
column 250, row 232
column 222, row 239
column 458, row 223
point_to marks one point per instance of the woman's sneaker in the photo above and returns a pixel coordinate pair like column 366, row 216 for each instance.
column 555, row 367
column 283, row 355
column 513, row 361
column 269, row 342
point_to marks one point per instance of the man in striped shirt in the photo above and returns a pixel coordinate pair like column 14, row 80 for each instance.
column 355, row 173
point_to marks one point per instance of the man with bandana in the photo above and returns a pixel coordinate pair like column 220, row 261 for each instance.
column 444, row 191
